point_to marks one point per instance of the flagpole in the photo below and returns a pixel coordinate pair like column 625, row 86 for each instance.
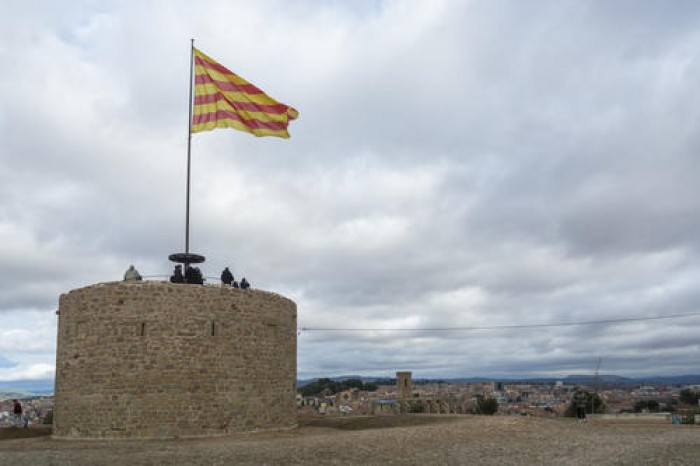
column 188, row 258
column 189, row 151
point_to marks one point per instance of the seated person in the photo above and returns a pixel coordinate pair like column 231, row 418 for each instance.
column 132, row 275
column 177, row 276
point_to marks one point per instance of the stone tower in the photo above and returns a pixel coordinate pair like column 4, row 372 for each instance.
column 157, row 360
column 404, row 387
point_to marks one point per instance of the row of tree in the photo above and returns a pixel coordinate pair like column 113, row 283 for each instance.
column 687, row 397
column 594, row 404
column 326, row 387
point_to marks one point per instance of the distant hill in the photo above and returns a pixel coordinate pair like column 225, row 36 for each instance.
column 576, row 379
column 679, row 379
column 8, row 395
column 392, row 380
column 617, row 380
column 25, row 388
column 603, row 379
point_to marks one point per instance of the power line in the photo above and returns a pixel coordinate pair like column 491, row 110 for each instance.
column 498, row 327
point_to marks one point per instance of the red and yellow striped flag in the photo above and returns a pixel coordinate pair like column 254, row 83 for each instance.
column 223, row 99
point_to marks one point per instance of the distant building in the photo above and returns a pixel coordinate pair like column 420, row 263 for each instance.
column 404, row 385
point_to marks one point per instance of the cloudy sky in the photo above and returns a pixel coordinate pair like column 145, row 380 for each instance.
column 456, row 164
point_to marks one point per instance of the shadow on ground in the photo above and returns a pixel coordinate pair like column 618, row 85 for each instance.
column 341, row 423
column 372, row 422
column 11, row 433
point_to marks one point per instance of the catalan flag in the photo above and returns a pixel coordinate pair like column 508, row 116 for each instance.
column 223, row 99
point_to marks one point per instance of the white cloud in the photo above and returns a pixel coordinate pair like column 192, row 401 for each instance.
column 23, row 339
column 32, row 372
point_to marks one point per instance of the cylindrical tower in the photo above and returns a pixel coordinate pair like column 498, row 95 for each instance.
column 155, row 359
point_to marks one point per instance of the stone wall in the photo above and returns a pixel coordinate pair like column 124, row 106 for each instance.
column 443, row 405
column 155, row 359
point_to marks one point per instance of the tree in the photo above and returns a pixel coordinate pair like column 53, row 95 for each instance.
column 689, row 397
column 319, row 387
column 326, row 387
column 358, row 384
column 649, row 405
column 415, row 408
column 593, row 403
column 485, row 405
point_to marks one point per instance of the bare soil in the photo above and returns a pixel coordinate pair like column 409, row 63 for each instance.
column 368, row 440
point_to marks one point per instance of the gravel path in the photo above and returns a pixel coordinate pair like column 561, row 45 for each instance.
column 401, row 440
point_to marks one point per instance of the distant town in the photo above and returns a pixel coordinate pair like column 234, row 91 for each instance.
column 356, row 395
column 36, row 409
column 606, row 395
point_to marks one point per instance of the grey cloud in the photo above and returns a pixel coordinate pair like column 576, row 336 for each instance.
column 454, row 164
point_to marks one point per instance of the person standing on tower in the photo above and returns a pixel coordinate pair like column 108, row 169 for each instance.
column 177, row 276
column 132, row 274
column 226, row 277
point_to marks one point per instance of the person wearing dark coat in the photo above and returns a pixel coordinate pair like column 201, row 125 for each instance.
column 199, row 278
column 177, row 275
column 193, row 276
column 244, row 284
column 226, row 277
column 17, row 413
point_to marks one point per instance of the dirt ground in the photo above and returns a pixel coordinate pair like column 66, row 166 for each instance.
column 406, row 440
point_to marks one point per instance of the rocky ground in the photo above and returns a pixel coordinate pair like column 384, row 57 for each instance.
column 407, row 440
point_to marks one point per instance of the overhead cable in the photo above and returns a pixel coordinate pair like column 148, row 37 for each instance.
column 499, row 327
